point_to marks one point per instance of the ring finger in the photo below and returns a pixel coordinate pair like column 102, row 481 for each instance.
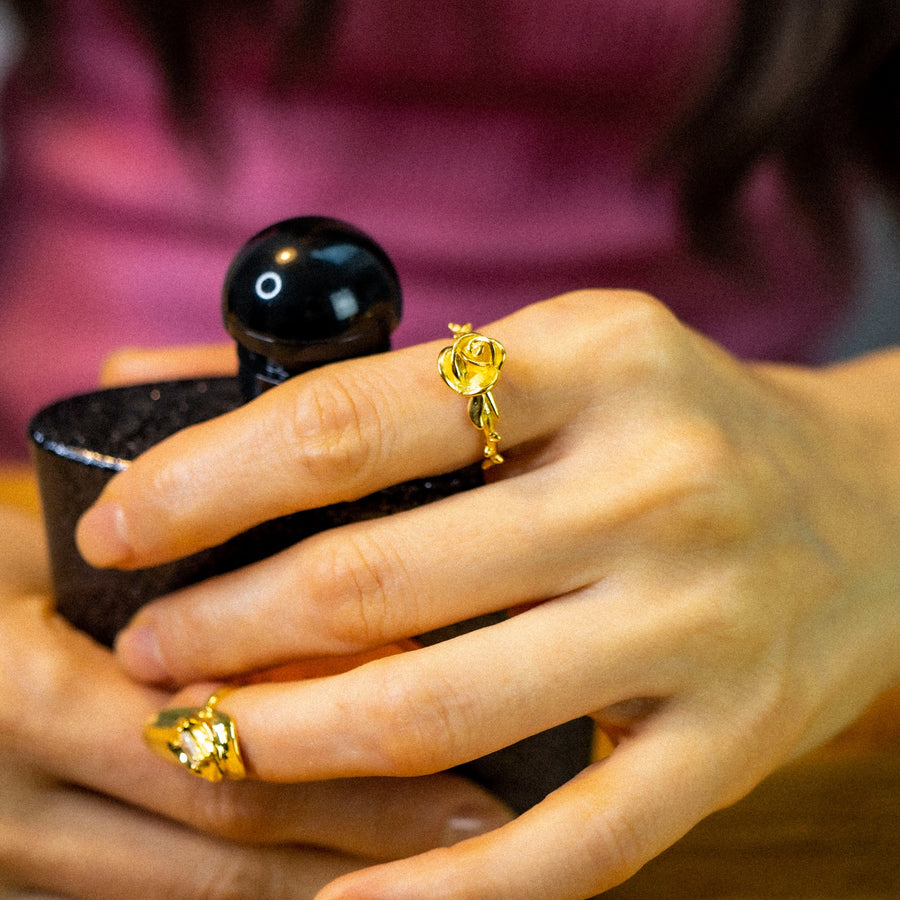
column 443, row 705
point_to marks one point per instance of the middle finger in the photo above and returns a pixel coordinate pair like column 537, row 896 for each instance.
column 368, row 584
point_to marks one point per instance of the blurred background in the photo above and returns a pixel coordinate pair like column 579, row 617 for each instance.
column 873, row 320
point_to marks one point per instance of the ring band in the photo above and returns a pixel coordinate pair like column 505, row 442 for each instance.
column 202, row 739
column 471, row 367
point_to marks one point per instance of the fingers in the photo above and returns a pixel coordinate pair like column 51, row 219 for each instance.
column 69, row 712
column 586, row 837
column 133, row 365
column 437, row 707
column 367, row 585
column 330, row 435
column 66, row 841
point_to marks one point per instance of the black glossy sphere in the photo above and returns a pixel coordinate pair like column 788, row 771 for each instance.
column 311, row 290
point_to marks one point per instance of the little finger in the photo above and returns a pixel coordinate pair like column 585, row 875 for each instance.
column 585, row 838
column 69, row 711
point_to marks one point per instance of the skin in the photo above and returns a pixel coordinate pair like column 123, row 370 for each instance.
column 704, row 550
column 87, row 812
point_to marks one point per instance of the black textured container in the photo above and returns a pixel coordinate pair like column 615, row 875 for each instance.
column 81, row 442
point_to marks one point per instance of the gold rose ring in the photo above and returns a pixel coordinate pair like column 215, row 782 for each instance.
column 471, row 367
column 202, row 739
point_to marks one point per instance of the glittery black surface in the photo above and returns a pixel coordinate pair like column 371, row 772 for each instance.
column 81, row 442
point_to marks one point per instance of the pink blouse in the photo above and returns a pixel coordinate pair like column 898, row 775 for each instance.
column 496, row 156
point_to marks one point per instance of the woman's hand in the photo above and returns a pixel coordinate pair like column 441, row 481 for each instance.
column 705, row 550
column 87, row 812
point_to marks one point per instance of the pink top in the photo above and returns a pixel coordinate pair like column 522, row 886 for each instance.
column 495, row 159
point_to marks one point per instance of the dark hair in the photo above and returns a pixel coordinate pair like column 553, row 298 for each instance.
column 814, row 83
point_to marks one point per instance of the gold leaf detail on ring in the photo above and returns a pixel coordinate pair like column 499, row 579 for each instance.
column 471, row 367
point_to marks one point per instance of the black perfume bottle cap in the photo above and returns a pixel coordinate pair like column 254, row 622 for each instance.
column 304, row 292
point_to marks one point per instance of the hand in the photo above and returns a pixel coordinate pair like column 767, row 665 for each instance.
column 706, row 551
column 87, row 812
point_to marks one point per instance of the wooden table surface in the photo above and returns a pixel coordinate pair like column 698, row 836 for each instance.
column 826, row 827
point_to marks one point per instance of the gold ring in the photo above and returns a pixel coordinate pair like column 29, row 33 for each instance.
column 471, row 367
column 202, row 739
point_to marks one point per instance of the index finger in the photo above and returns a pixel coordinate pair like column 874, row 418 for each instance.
column 334, row 434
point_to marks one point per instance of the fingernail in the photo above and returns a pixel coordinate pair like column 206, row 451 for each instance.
column 139, row 654
column 102, row 535
column 470, row 822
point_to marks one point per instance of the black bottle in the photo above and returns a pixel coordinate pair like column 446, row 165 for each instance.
column 302, row 293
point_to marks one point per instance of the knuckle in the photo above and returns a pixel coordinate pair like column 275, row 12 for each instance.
column 163, row 486
column 226, row 811
column 772, row 709
column 640, row 341
column 699, row 456
column 419, row 725
column 614, row 846
column 336, row 431
column 637, row 316
column 645, row 343
column 698, row 483
column 654, row 338
column 358, row 580
column 226, row 874
column 632, row 325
